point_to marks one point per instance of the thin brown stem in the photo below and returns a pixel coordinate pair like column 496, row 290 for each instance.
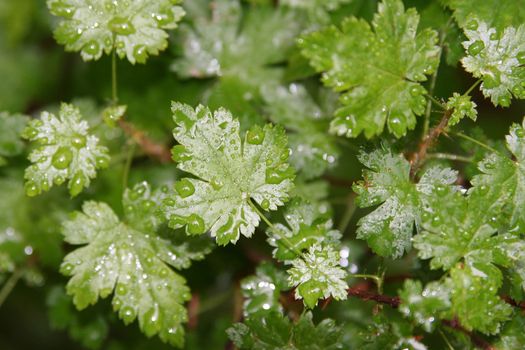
column 475, row 339
column 148, row 146
column 419, row 156
column 363, row 294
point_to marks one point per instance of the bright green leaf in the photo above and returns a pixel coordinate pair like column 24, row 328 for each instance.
column 497, row 13
column 275, row 331
column 377, row 68
column 10, row 128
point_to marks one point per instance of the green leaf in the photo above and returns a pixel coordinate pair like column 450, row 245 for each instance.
column 227, row 41
column 11, row 127
column 274, row 331
column 64, row 150
column 496, row 13
column 131, row 261
column 377, row 68
column 497, row 58
column 308, row 224
column 134, row 30
column 512, row 336
column 318, row 274
column 89, row 330
column 425, row 306
column 388, row 229
column 262, row 291
column 230, row 173
column 113, row 114
column 462, row 107
column 502, row 179
column 313, row 151
column 475, row 300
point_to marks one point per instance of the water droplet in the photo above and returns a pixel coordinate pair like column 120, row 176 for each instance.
column 92, row 48
column 66, row 269
column 62, row 158
column 184, row 188
column 76, row 185
column 178, row 153
column 255, row 136
column 78, row 141
column 265, row 204
column 472, row 25
column 140, row 53
column 32, row 189
column 121, row 26
column 216, row 184
column 476, row 47
column 127, row 314
column 165, row 18
column 62, row 10
column 102, row 162
column 494, row 36
column 274, row 176
column 196, row 225
column 121, row 289
column 176, row 221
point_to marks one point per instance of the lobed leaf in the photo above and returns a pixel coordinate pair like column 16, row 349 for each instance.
column 230, row 173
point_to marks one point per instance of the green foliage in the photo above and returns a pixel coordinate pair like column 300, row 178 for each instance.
column 10, row 128
column 131, row 260
column 331, row 142
column 134, row 30
column 231, row 173
column 387, row 183
column 64, row 151
column 396, row 60
column 318, row 274
column 273, row 331
column 496, row 57
column 462, row 107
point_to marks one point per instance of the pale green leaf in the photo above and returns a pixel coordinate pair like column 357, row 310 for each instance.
column 65, row 150
column 230, row 172
column 131, row 261
column 134, row 28
column 308, row 224
column 378, row 69
column 496, row 57
column 318, row 274
column 388, row 229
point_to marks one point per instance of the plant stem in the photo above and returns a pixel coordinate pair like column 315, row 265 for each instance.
column 10, row 284
column 450, row 157
column 472, row 87
column 114, row 88
column 285, row 239
column 348, row 214
column 479, row 143
column 127, row 165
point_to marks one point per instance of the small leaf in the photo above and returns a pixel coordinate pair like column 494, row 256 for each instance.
column 318, row 274
column 64, row 150
column 462, row 107
column 497, row 57
column 134, row 30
